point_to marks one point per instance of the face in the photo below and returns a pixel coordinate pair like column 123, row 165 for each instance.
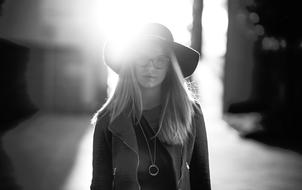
column 151, row 65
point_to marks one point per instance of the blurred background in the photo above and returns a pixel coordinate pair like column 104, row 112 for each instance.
column 53, row 80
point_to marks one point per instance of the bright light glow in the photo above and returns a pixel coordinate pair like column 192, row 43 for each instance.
column 120, row 16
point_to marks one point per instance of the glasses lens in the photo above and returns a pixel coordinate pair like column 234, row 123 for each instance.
column 158, row 62
column 161, row 61
column 142, row 61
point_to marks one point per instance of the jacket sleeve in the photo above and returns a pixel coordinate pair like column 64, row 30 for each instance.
column 199, row 165
column 102, row 159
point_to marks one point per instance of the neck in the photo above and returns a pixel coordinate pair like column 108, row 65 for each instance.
column 151, row 97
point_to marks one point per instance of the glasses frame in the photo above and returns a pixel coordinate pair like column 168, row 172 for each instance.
column 159, row 62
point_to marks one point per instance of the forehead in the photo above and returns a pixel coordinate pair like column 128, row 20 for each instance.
column 152, row 49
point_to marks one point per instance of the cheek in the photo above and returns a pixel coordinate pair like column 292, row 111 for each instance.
column 162, row 76
column 139, row 76
column 138, row 73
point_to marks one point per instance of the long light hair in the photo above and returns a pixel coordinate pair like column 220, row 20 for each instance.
column 178, row 102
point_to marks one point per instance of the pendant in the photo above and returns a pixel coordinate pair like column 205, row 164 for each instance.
column 153, row 169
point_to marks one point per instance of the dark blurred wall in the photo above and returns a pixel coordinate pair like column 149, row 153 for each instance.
column 279, row 54
column 274, row 81
column 64, row 70
column 196, row 32
column 62, row 78
column 23, row 20
column 239, row 60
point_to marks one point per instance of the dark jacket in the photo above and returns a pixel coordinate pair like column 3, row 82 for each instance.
column 115, row 156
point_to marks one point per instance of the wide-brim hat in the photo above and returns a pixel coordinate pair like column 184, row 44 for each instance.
column 115, row 52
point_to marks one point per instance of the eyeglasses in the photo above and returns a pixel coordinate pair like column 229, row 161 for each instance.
column 159, row 62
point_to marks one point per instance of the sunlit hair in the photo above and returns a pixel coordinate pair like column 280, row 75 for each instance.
column 177, row 100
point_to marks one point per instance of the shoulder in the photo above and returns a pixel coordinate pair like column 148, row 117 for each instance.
column 198, row 118
column 101, row 118
column 197, row 110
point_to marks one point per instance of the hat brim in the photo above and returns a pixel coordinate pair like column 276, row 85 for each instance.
column 187, row 57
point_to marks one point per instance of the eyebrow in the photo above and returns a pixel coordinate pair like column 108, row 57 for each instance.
column 149, row 56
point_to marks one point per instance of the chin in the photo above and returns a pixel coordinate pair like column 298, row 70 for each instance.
column 150, row 85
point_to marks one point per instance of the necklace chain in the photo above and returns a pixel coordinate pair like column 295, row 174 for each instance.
column 153, row 160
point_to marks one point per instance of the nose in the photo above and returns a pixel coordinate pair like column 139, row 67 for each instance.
column 150, row 66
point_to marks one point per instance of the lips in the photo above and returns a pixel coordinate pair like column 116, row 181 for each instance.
column 149, row 76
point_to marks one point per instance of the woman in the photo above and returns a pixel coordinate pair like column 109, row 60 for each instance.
column 150, row 134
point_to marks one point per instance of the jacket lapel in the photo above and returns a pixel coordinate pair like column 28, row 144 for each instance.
column 122, row 128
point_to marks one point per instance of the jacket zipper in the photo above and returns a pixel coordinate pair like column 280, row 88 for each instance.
column 113, row 183
column 181, row 166
column 137, row 165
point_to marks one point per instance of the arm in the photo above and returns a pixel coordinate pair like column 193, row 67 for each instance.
column 102, row 161
column 199, row 165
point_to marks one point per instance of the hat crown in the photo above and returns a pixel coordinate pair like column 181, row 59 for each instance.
column 158, row 31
